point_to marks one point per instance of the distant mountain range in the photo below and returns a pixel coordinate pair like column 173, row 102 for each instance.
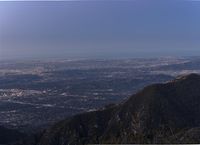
column 160, row 113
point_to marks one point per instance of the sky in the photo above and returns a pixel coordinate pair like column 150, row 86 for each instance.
column 99, row 29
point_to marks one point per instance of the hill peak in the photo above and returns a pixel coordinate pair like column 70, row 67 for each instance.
column 189, row 77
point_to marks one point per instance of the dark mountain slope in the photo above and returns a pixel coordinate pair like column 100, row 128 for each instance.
column 8, row 136
column 160, row 113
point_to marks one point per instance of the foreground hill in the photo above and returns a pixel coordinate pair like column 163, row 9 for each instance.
column 160, row 113
column 8, row 136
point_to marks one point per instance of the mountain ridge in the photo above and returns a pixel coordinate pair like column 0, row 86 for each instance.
column 160, row 113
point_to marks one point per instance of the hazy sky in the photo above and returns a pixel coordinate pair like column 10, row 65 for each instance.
column 102, row 29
